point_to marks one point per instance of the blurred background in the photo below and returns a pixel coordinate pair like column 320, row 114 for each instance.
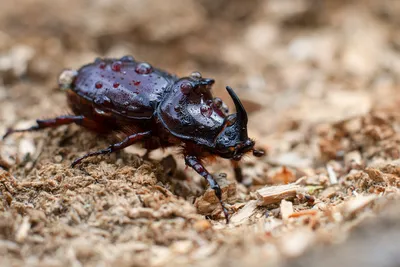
column 292, row 61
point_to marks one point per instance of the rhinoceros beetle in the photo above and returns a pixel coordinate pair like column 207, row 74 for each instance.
column 156, row 108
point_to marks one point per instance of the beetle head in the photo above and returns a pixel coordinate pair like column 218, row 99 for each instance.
column 191, row 113
column 233, row 142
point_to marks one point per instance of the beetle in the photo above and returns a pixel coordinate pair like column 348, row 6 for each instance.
column 154, row 108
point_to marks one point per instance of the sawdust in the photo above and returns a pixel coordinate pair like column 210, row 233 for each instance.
column 320, row 80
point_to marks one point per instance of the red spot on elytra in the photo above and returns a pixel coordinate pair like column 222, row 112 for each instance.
column 98, row 85
column 116, row 66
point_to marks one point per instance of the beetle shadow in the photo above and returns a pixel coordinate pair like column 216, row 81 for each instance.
column 177, row 179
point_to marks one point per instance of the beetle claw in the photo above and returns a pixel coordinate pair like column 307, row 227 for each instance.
column 9, row 131
column 114, row 147
column 226, row 214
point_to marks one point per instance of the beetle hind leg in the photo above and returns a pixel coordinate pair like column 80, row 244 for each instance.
column 130, row 140
column 196, row 165
column 54, row 122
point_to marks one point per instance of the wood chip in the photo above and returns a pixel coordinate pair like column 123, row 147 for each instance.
column 202, row 225
column 245, row 213
column 209, row 203
column 375, row 174
column 286, row 209
column 332, row 175
column 355, row 205
column 182, row 246
column 274, row 194
column 294, row 243
column 23, row 230
column 329, row 192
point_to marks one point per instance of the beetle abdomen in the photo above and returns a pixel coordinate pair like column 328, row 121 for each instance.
column 123, row 86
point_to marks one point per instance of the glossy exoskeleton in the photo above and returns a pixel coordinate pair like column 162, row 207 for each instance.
column 155, row 108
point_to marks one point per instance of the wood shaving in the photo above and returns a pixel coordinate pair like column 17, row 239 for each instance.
column 274, row 194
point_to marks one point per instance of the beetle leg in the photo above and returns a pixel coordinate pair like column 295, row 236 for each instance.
column 193, row 162
column 238, row 171
column 146, row 155
column 58, row 121
column 131, row 139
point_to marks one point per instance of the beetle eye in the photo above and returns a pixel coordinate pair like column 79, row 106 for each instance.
column 186, row 87
column 230, row 120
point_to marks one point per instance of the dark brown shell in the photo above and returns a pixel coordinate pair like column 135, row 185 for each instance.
column 182, row 114
column 124, row 87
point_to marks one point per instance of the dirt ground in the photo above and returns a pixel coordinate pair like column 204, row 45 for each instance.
column 320, row 80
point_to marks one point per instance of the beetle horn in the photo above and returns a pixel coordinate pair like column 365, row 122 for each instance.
column 241, row 114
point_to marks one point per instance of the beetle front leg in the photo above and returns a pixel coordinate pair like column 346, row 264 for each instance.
column 130, row 140
column 194, row 162
column 238, row 171
column 58, row 121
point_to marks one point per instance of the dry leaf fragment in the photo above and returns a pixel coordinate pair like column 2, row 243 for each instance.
column 303, row 213
column 284, row 176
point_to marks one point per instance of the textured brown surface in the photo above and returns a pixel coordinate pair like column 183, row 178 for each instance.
column 320, row 80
